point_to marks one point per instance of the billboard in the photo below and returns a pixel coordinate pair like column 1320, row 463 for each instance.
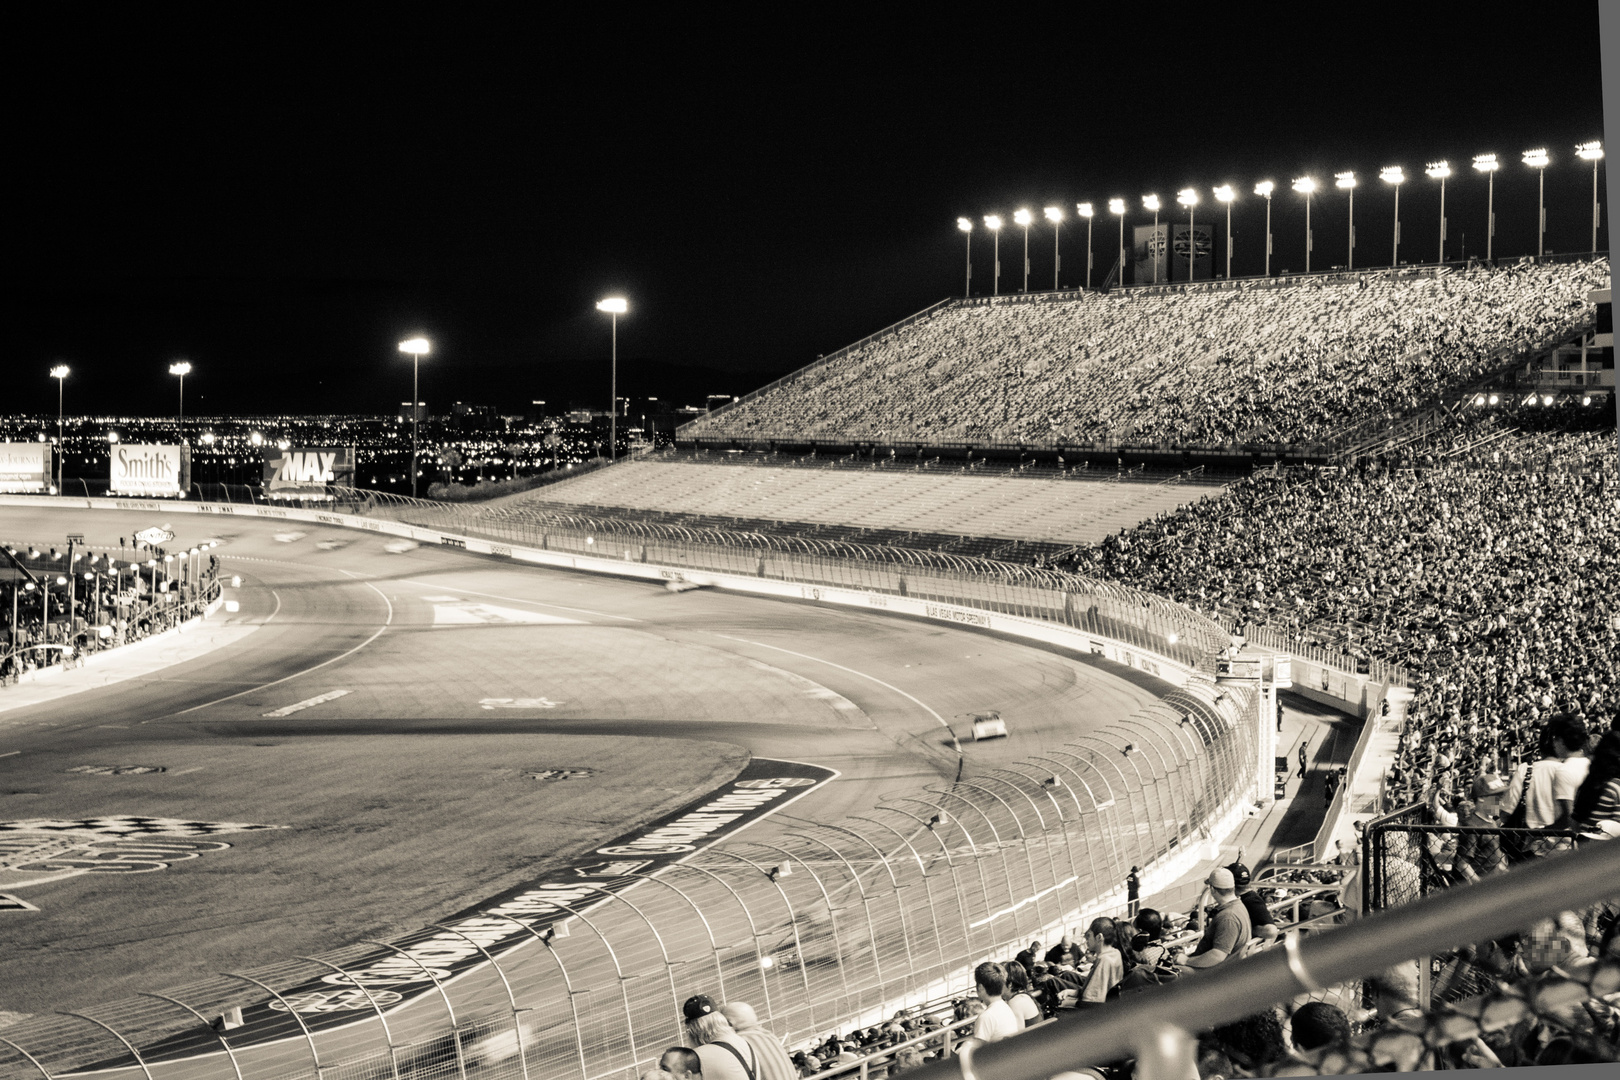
column 308, row 469
column 25, row 467
column 1201, row 245
column 1151, row 254
column 149, row 469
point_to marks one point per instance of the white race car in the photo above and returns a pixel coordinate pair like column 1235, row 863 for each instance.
column 988, row 726
column 289, row 537
column 399, row 546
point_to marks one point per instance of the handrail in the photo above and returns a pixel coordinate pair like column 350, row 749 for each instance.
column 1155, row 1027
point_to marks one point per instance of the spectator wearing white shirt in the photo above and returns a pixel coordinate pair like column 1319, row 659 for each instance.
column 997, row 1021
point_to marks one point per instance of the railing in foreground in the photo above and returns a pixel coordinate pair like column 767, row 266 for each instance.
column 1156, row 1028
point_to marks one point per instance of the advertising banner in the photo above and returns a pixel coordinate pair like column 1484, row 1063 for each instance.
column 25, row 468
column 148, row 469
column 308, row 469
column 1151, row 255
column 1200, row 246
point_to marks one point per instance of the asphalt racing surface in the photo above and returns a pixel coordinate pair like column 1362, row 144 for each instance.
column 396, row 735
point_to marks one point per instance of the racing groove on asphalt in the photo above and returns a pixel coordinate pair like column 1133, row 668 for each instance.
column 401, row 735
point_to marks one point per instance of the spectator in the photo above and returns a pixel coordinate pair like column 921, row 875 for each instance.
column 1228, row 931
column 1479, row 854
column 772, row 1058
column 997, row 1021
column 1261, row 922
column 1018, row 996
column 1318, row 1027
column 1133, row 891
column 1596, row 810
column 681, row 1063
column 725, row 1055
column 1108, row 966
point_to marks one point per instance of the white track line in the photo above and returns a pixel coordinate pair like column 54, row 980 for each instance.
column 306, row 671
column 805, row 656
column 308, row 703
column 517, row 600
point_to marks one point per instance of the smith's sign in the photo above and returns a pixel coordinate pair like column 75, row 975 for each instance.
column 139, row 469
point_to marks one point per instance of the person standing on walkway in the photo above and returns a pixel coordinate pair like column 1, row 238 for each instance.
column 1303, row 740
column 1133, row 891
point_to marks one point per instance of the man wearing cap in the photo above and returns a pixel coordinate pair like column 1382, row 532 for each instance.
column 1133, row 891
column 1479, row 854
column 1261, row 921
column 1227, row 933
column 724, row 1054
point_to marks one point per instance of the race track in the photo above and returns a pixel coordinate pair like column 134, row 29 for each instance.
column 418, row 695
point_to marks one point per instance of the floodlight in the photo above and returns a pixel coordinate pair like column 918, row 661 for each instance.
column 1495, row 399
column 416, row 346
column 181, row 368
column 616, row 304
column 1438, row 170
column 1116, row 206
column 1486, row 163
column 60, row 371
column 1022, row 217
column 1187, row 197
column 1589, row 151
column 1151, row 202
column 1546, row 399
column 1536, row 159
column 1344, row 180
column 1392, row 174
column 964, row 224
column 1264, row 189
column 992, row 222
column 1225, row 194
column 1305, row 185
column 1084, row 209
column 1054, row 214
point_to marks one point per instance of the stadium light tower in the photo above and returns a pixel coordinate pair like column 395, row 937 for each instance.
column 993, row 223
column 417, row 347
column 1487, row 164
column 614, row 306
column 1189, row 198
column 1117, row 206
column 1593, row 152
column 1024, row 218
column 60, row 373
column 181, row 368
column 1346, row 181
column 1225, row 194
column 966, row 225
column 1054, row 214
column 1439, row 170
column 1151, row 202
column 1305, row 185
column 1393, row 174
column 1538, row 160
column 1084, row 210
column 1265, row 188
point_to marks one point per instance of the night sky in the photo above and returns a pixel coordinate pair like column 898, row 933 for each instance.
column 281, row 201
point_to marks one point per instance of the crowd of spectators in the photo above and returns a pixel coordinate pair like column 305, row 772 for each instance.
column 1203, row 367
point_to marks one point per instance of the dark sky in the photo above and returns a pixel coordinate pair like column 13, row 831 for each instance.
column 281, row 201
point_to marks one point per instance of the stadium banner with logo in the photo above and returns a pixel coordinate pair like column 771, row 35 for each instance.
column 308, row 469
column 1151, row 242
column 1202, row 244
column 149, row 469
column 25, row 467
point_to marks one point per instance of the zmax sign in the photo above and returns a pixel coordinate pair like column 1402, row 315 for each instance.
column 308, row 469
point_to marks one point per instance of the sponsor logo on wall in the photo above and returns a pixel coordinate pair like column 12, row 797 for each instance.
column 147, row 469
column 24, row 467
column 41, row 850
column 972, row 618
column 308, row 469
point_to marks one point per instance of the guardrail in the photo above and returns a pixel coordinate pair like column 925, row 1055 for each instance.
column 582, row 981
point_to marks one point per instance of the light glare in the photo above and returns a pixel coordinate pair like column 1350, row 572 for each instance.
column 1084, row 209
column 182, row 368
column 416, row 346
column 1589, row 151
column 1187, row 197
column 1224, row 193
column 1265, row 188
column 1151, row 202
column 1344, row 180
column 1116, row 206
column 964, row 224
column 1022, row 217
column 60, row 371
column 1054, row 214
column 1392, row 174
column 1536, row 159
column 992, row 222
column 616, row 304
column 1305, row 185
column 1486, row 162
column 1438, row 170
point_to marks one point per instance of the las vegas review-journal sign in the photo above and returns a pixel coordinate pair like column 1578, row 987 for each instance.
column 25, row 468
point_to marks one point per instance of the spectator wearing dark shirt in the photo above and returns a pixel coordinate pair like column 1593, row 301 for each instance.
column 1479, row 854
column 1261, row 922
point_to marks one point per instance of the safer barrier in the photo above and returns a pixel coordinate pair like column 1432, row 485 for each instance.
column 824, row 926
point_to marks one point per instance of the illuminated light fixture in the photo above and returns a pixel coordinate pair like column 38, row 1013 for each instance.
column 1394, row 174
column 1024, row 218
column 1494, row 400
column 614, row 306
column 415, row 348
column 993, row 223
column 1479, row 400
column 1188, row 197
column 1305, row 185
column 112, row 436
column 1487, row 164
column 1439, row 170
column 1264, row 189
column 1084, row 210
column 60, row 374
column 1344, row 181
column 1151, row 202
column 1546, row 399
column 1537, row 159
column 1586, row 400
column 255, row 439
column 966, row 226
column 1054, row 214
column 1593, row 152
column 1117, row 206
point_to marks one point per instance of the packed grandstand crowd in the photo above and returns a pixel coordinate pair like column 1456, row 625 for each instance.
column 1203, row 367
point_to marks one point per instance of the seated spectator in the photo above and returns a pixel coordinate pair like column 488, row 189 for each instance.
column 1596, row 809
column 1227, row 933
column 1318, row 1028
column 681, row 1063
column 1107, row 967
column 1479, row 854
column 724, row 1054
column 997, row 1021
column 1261, row 921
column 1019, row 997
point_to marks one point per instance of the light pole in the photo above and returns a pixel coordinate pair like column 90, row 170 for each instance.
column 967, row 229
column 1305, row 185
column 1439, row 170
column 1117, row 206
column 59, row 373
column 1023, row 218
column 1055, row 216
column 1538, row 160
column 1085, row 211
column 417, row 347
column 993, row 223
column 182, row 369
column 1189, row 198
column 1487, row 164
column 1225, row 194
column 614, row 306
column 1394, row 174
column 1346, row 181
column 1593, row 152
column 1151, row 202
column 1264, row 189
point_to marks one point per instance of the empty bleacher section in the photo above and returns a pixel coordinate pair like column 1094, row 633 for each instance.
column 1193, row 367
column 950, row 508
